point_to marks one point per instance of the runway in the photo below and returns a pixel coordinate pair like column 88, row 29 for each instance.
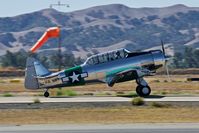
column 90, row 102
column 116, row 128
column 94, row 99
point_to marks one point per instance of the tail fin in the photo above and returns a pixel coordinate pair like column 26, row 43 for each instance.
column 34, row 69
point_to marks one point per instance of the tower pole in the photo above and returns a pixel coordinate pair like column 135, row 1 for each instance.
column 59, row 53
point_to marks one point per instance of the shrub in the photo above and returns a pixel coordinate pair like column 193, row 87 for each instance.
column 15, row 81
column 159, row 105
column 103, row 94
column 120, row 93
column 36, row 100
column 138, row 101
column 156, row 81
column 88, row 94
column 163, row 93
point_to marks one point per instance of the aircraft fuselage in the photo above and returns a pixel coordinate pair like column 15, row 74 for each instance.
column 127, row 67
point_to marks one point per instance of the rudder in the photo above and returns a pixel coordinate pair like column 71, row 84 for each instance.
column 33, row 70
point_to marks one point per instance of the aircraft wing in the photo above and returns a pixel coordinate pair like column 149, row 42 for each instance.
column 125, row 75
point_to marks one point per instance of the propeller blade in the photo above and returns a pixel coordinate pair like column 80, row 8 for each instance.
column 167, row 70
column 163, row 50
column 166, row 61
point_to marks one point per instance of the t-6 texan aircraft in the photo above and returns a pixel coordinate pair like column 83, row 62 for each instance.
column 110, row 67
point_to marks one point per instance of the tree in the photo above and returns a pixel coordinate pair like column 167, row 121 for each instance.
column 17, row 60
column 8, row 59
column 44, row 60
column 177, row 60
column 68, row 60
column 190, row 59
column 196, row 57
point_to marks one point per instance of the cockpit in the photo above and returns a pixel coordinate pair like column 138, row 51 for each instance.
column 107, row 57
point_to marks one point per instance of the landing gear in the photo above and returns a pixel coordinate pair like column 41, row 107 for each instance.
column 142, row 89
column 46, row 93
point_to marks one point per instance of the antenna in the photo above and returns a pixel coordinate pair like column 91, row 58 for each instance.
column 59, row 4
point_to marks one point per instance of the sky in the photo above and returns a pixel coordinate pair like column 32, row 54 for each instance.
column 9, row 8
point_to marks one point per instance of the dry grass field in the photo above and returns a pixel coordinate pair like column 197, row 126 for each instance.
column 142, row 114
column 159, row 84
column 100, row 115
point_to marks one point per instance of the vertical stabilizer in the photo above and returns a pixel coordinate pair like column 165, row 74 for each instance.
column 34, row 69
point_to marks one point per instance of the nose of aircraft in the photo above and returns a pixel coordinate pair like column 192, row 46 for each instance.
column 159, row 58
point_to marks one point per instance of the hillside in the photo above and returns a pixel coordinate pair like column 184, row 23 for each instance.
column 104, row 28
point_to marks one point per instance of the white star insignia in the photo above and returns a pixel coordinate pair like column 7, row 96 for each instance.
column 74, row 77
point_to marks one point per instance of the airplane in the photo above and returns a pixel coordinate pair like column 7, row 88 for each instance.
column 110, row 67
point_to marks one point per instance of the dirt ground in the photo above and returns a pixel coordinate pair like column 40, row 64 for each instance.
column 159, row 85
column 101, row 115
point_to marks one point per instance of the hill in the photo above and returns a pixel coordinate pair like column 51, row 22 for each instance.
column 103, row 28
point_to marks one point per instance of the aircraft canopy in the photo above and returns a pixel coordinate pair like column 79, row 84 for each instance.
column 107, row 57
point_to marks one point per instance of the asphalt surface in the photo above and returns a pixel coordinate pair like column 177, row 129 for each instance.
column 89, row 102
column 94, row 99
column 117, row 128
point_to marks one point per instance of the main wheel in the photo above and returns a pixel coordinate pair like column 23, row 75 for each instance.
column 138, row 88
column 143, row 90
column 46, row 94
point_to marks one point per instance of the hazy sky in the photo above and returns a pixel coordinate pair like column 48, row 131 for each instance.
column 16, row 7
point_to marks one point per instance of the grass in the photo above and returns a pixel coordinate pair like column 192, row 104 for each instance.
column 15, row 80
column 64, row 92
column 2, row 81
column 127, row 94
column 163, row 93
column 59, row 93
column 104, row 93
column 100, row 115
column 70, row 93
column 8, row 95
column 41, row 94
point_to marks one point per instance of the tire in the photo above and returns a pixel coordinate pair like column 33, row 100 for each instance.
column 143, row 91
column 46, row 94
column 138, row 88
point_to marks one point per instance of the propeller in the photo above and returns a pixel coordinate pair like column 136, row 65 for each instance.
column 166, row 60
column 163, row 50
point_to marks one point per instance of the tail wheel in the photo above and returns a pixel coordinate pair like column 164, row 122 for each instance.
column 46, row 94
column 143, row 90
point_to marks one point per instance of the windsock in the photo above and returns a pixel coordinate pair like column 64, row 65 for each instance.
column 50, row 33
